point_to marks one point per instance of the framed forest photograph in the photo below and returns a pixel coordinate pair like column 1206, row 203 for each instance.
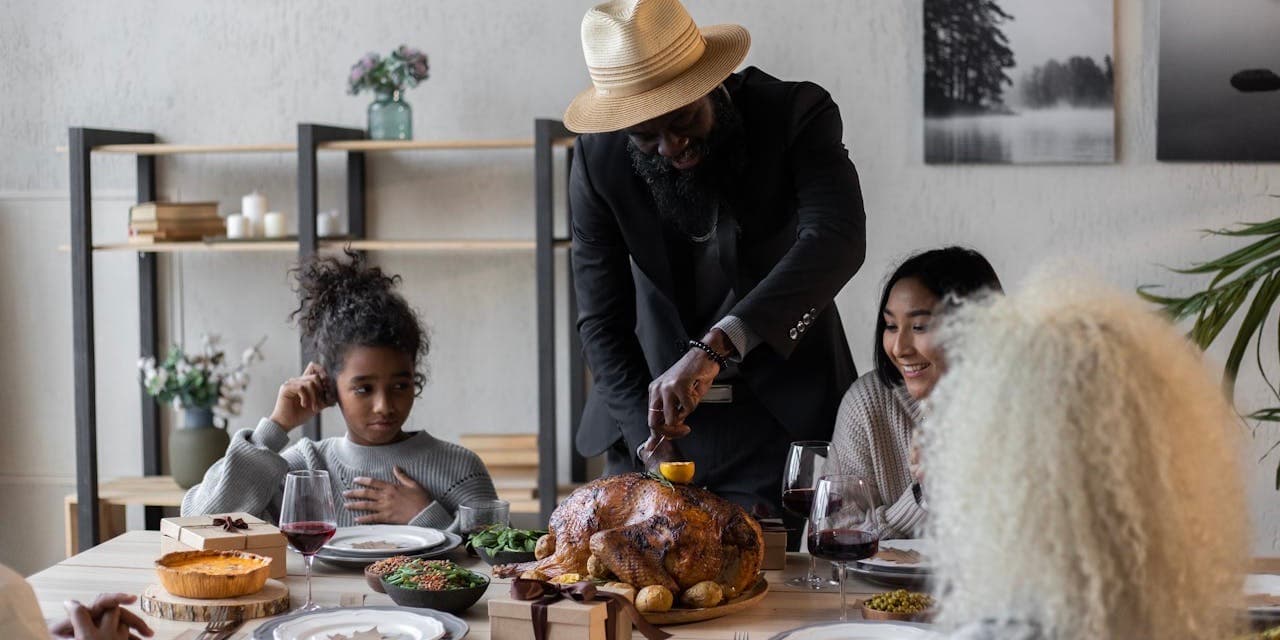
column 1219, row 96
column 1019, row 81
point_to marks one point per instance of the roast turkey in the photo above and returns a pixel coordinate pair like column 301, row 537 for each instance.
column 649, row 532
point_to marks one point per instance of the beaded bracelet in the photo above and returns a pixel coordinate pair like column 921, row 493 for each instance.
column 715, row 357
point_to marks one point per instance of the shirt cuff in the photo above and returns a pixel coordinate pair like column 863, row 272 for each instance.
column 270, row 435
column 905, row 515
column 742, row 337
column 435, row 516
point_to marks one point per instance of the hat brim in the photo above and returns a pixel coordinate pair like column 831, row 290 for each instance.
column 727, row 46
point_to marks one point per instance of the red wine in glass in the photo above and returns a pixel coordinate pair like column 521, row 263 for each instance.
column 806, row 460
column 843, row 526
column 307, row 517
column 843, row 545
column 798, row 502
column 308, row 537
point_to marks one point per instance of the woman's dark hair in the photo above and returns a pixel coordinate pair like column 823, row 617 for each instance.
column 951, row 274
column 346, row 303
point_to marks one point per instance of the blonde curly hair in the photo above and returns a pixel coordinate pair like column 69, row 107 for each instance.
column 1083, row 470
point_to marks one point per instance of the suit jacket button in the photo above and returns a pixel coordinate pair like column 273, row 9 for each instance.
column 794, row 334
column 802, row 328
column 808, row 317
column 808, row 321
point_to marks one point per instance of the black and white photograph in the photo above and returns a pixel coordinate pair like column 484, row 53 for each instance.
column 1019, row 82
column 1219, row 81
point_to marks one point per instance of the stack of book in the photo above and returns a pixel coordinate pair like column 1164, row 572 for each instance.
column 174, row 221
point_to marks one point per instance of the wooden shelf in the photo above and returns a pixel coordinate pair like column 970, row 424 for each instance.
column 179, row 247
column 178, row 149
column 434, row 245
column 462, row 245
column 159, row 149
column 426, row 145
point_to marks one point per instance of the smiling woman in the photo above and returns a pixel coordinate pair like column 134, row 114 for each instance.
column 874, row 435
column 370, row 345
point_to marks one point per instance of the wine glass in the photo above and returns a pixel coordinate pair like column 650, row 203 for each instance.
column 805, row 462
column 841, row 526
column 474, row 516
column 307, row 517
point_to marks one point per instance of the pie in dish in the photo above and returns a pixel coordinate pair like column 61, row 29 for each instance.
column 212, row 574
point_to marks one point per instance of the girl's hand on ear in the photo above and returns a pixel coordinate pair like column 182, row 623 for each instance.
column 302, row 398
column 386, row 502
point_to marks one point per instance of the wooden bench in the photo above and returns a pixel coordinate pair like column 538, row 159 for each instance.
column 114, row 496
column 512, row 460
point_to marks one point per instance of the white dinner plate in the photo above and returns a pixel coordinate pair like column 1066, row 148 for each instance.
column 860, row 631
column 383, row 540
column 393, row 625
column 923, row 547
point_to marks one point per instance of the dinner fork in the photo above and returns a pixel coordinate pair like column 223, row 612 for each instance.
column 220, row 621
column 741, row 635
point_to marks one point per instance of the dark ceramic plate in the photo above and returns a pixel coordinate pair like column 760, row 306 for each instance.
column 451, row 600
column 504, row 557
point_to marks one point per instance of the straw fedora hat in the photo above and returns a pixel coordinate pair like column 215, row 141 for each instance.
column 646, row 58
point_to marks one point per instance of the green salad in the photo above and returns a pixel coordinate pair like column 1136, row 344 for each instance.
column 498, row 537
column 433, row 575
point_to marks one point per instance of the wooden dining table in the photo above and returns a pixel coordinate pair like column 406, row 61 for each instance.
column 126, row 564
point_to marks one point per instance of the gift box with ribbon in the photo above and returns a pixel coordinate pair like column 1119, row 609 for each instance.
column 225, row 532
column 775, row 546
column 537, row 610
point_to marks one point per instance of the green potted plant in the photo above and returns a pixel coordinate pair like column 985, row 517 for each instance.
column 1252, row 270
column 208, row 389
column 390, row 117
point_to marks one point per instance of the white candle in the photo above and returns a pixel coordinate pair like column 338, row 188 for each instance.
column 273, row 224
column 254, row 206
column 237, row 226
column 327, row 224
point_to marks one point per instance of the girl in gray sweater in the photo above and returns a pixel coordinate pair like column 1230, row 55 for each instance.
column 875, row 429
column 369, row 344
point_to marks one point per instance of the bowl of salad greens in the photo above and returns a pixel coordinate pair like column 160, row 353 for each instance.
column 500, row 544
column 435, row 584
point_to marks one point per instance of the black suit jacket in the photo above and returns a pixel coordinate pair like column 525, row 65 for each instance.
column 796, row 236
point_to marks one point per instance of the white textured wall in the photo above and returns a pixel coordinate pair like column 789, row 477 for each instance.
column 249, row 71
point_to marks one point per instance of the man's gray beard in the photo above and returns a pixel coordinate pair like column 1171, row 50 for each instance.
column 689, row 200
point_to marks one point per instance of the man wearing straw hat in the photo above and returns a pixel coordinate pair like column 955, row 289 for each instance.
column 715, row 217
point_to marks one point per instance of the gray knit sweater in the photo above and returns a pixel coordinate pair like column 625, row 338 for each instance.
column 250, row 477
column 872, row 438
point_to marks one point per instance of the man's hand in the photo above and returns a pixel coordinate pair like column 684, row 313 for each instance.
column 676, row 393
column 301, row 399
column 388, row 503
column 107, row 619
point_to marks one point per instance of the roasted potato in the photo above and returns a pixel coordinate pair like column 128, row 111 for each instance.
column 654, row 598
column 704, row 594
column 597, row 569
column 533, row 574
column 546, row 546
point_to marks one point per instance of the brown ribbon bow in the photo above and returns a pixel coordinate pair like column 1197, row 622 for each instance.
column 546, row 593
column 230, row 524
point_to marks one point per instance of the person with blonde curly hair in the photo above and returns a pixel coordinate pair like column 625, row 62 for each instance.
column 1084, row 473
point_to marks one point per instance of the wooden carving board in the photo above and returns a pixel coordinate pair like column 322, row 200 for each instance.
column 272, row 600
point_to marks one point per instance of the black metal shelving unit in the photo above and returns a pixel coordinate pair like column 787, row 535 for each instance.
column 312, row 139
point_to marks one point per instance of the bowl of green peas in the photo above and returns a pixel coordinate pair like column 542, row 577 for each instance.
column 435, row 584
column 900, row 605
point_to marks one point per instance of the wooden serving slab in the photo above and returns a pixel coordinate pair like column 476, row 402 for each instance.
column 683, row 616
column 271, row 600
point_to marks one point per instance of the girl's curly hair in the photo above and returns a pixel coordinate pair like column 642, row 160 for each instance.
column 346, row 303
